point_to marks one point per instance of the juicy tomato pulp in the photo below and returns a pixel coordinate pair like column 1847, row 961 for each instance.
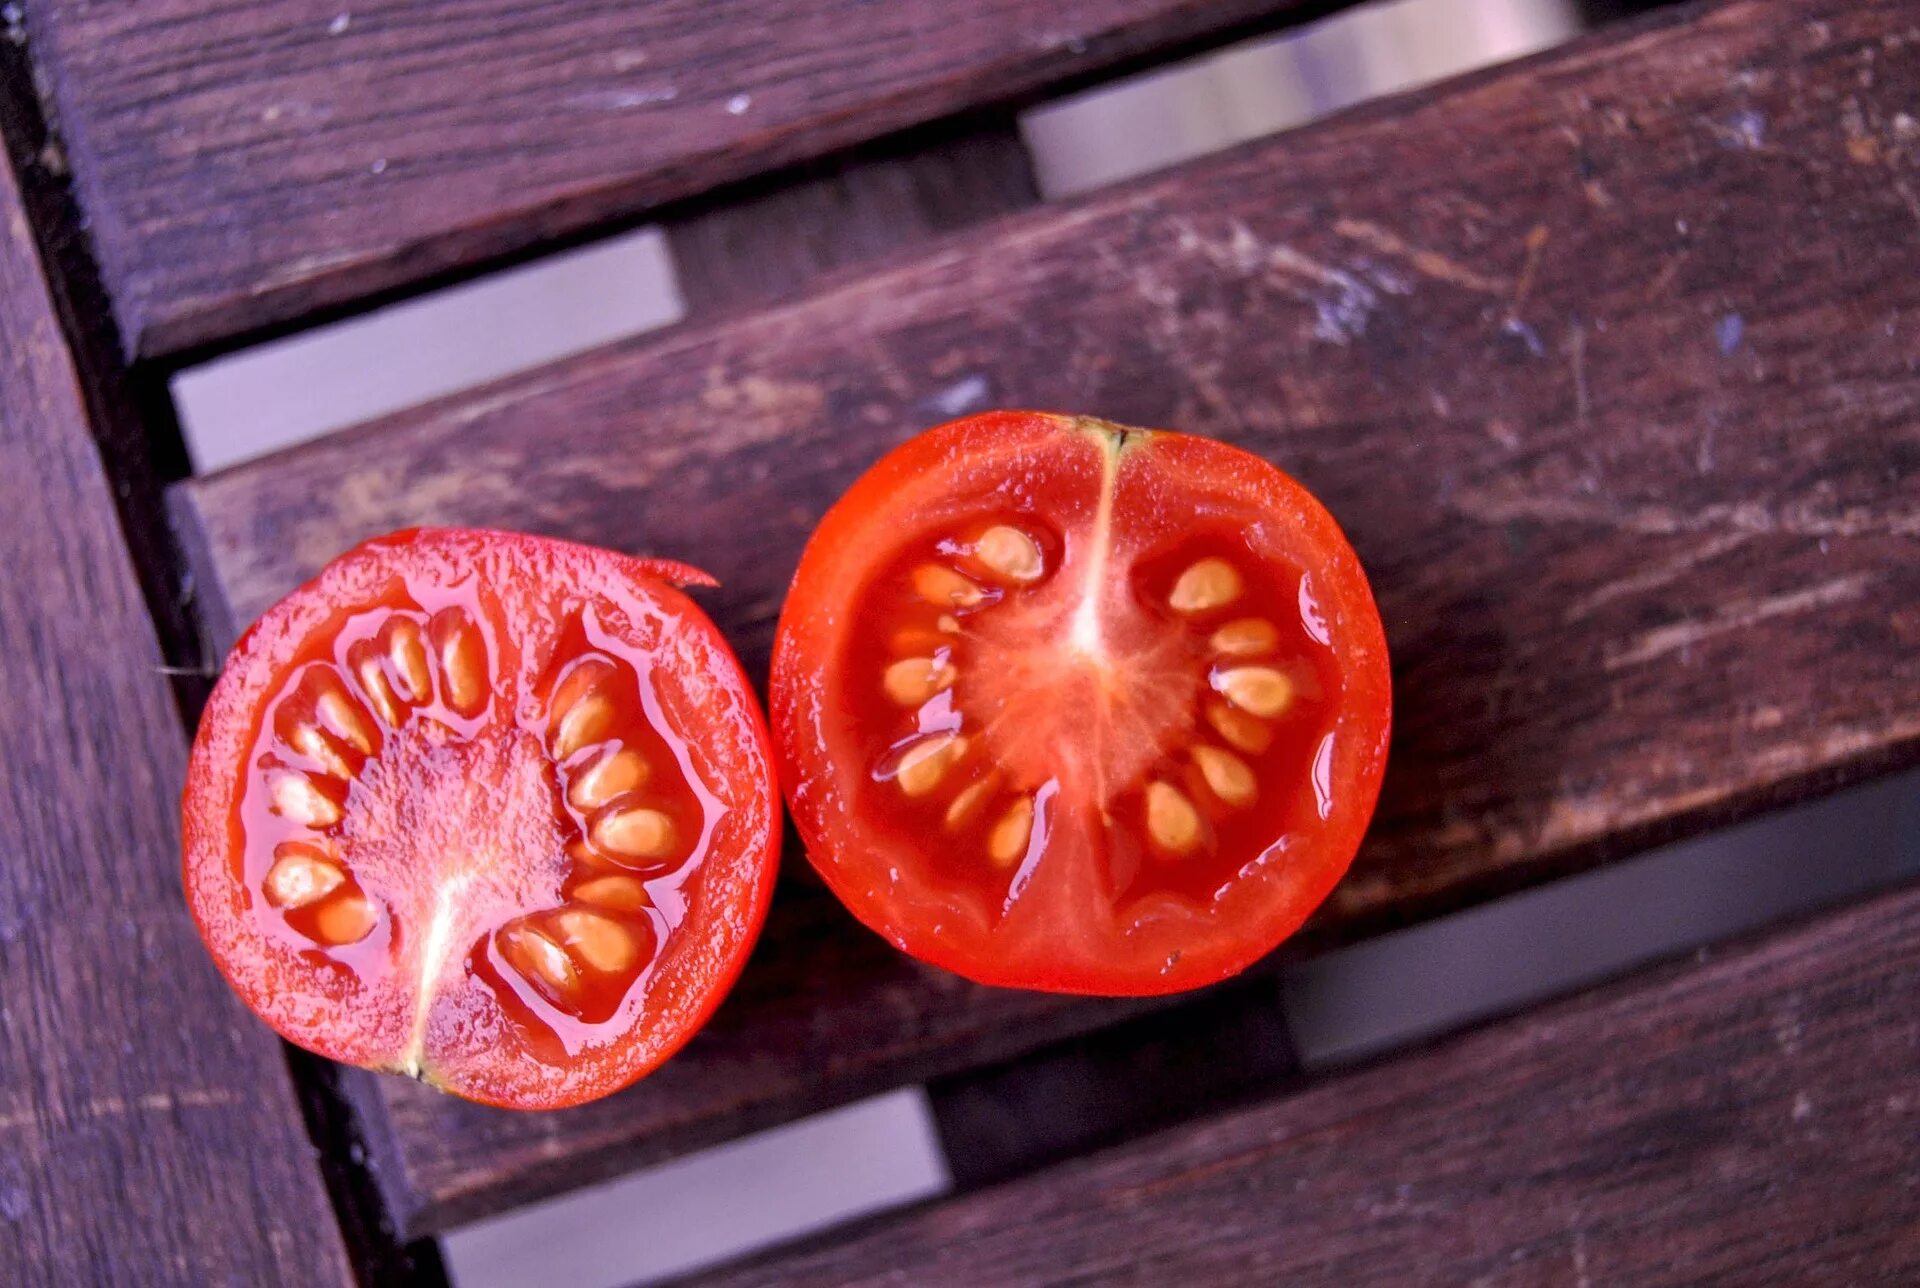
column 1072, row 707
column 490, row 810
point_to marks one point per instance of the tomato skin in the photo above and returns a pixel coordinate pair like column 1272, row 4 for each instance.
column 736, row 873
column 936, row 476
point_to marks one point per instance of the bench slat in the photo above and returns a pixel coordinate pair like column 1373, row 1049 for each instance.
column 1604, row 361
column 1748, row 1120
column 746, row 251
column 246, row 164
column 148, row 1128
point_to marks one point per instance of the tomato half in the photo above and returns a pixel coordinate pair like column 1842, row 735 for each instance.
column 1072, row 707
column 489, row 810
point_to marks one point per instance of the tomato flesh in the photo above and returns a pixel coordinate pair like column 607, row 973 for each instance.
column 1071, row 707
column 484, row 809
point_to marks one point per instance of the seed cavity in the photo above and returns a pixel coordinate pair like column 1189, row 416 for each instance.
column 462, row 654
column 1257, row 690
column 622, row 894
column 302, row 873
column 539, row 958
column 633, row 832
column 409, row 654
column 914, row 680
column 1246, row 637
column 297, row 799
column 598, row 941
column 1172, row 822
column 945, row 588
column 918, row 641
column 1008, row 840
column 1010, row 554
column 1227, row 776
column 347, row 919
column 612, row 773
column 1206, row 584
column 924, row 764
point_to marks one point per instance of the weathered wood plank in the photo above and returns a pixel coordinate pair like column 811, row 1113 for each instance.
column 148, row 1129
column 1747, row 1120
column 246, row 164
column 749, row 250
column 1607, row 363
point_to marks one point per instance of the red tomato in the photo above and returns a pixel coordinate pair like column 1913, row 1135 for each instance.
column 1072, row 707
column 490, row 810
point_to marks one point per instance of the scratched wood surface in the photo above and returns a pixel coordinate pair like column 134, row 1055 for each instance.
column 148, row 1130
column 243, row 165
column 1606, row 362
column 1752, row 1122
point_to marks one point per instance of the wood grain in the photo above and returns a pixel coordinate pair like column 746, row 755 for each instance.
column 1606, row 362
column 1752, row 1122
column 753, row 249
column 246, row 164
column 148, row 1130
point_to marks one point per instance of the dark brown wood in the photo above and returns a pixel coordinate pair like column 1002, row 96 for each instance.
column 1605, row 361
column 752, row 250
column 148, row 1129
column 1114, row 1084
column 1748, row 1120
column 246, row 164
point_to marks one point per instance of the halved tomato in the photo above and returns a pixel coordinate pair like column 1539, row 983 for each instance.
column 489, row 810
column 1066, row 706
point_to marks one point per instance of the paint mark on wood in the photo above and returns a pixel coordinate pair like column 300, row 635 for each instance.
column 1668, row 639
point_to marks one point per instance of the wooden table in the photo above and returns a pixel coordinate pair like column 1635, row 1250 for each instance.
column 1609, row 361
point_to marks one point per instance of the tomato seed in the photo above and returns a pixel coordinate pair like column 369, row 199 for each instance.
column 1172, row 821
column 599, row 941
column 610, row 774
column 347, row 919
column 1246, row 637
column 1009, row 552
column 373, row 683
column 1259, row 690
column 463, row 660
column 926, row 762
column 345, row 719
column 1240, row 730
column 302, row 873
column 944, row 587
column 586, row 721
column 1206, row 585
column 531, row 953
column 912, row 681
column 409, row 654
column 622, row 894
column 634, row 832
column 1227, row 776
column 970, row 799
column 315, row 745
column 1008, row 840
column 296, row 799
